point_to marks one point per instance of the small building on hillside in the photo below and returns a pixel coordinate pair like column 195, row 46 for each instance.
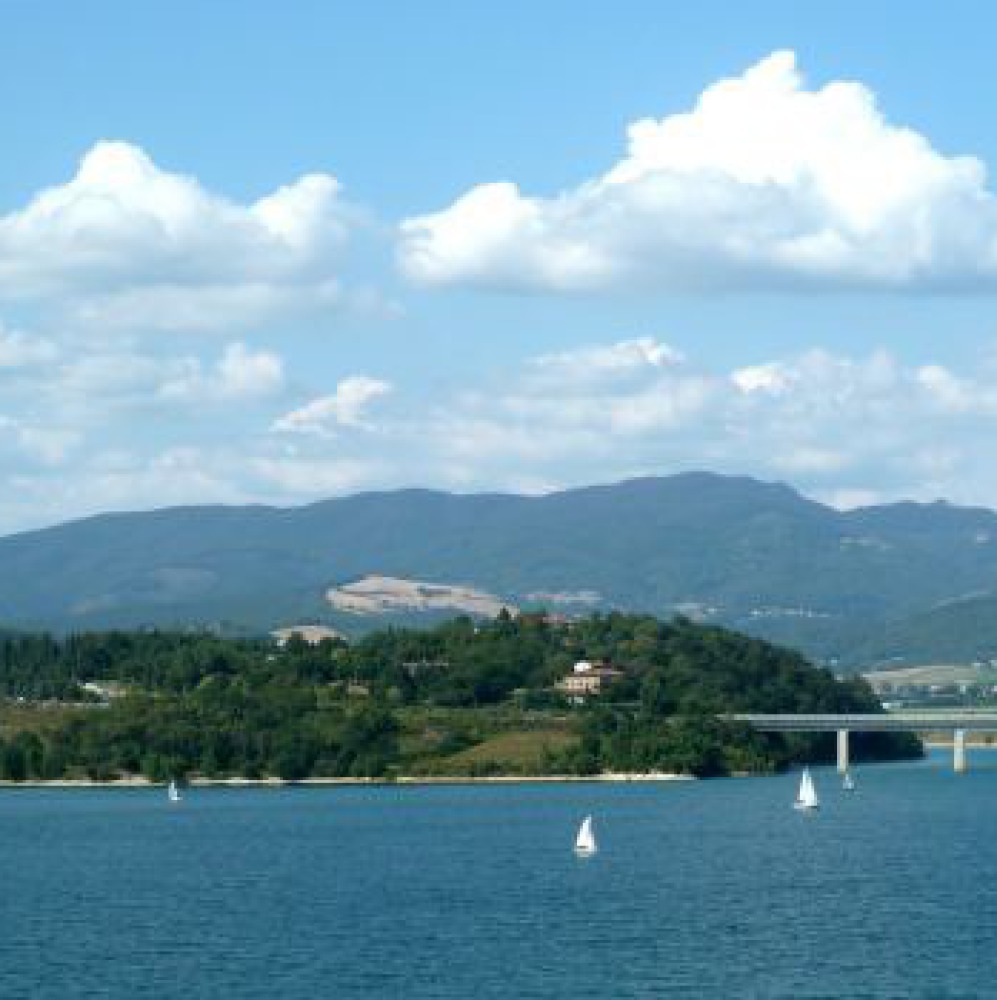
column 587, row 679
column 105, row 691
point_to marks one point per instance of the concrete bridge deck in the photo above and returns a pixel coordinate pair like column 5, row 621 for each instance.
column 955, row 721
column 887, row 722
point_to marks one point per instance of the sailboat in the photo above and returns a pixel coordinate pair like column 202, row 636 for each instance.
column 847, row 782
column 806, row 797
column 172, row 792
column 585, row 841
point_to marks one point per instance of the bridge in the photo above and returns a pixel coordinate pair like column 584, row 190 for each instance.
column 955, row 721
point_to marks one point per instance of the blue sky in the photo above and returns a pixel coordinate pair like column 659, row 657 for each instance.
column 272, row 252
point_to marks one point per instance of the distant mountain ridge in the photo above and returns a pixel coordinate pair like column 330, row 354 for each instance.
column 755, row 555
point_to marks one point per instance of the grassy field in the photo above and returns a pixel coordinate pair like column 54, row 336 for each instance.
column 16, row 717
column 484, row 740
column 510, row 753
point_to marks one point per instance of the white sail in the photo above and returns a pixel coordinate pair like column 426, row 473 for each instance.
column 585, row 841
column 806, row 798
column 173, row 793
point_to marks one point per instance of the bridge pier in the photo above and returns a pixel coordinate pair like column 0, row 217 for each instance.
column 842, row 751
column 959, row 751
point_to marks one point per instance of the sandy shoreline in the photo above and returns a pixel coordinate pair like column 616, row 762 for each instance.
column 506, row 779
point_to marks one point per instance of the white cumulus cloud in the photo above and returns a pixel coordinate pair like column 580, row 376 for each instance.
column 597, row 362
column 771, row 377
column 127, row 243
column 345, row 408
column 242, row 372
column 765, row 183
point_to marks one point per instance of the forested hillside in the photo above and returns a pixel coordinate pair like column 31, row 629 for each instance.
column 462, row 698
column 755, row 556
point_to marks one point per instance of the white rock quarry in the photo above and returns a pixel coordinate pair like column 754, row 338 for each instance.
column 374, row 595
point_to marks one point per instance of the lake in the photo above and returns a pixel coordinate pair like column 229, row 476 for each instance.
column 700, row 889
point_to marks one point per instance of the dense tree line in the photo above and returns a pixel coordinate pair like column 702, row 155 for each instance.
column 196, row 703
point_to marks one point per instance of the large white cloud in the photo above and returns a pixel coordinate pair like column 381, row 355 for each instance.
column 763, row 184
column 127, row 243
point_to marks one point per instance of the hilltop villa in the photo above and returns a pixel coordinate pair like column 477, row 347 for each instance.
column 587, row 679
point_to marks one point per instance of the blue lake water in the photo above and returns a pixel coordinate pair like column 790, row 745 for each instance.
column 700, row 889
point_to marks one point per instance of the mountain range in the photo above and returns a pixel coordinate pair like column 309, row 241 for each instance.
column 903, row 582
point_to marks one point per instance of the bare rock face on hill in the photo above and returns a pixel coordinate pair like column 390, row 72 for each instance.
column 378, row 595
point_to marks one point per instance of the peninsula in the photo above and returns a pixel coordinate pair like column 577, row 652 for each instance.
column 515, row 696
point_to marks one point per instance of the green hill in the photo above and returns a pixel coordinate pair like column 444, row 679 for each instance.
column 962, row 631
column 463, row 698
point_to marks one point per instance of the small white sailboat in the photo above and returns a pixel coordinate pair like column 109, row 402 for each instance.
column 585, row 841
column 847, row 782
column 172, row 792
column 806, row 797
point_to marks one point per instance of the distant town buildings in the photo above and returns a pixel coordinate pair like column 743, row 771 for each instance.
column 956, row 685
